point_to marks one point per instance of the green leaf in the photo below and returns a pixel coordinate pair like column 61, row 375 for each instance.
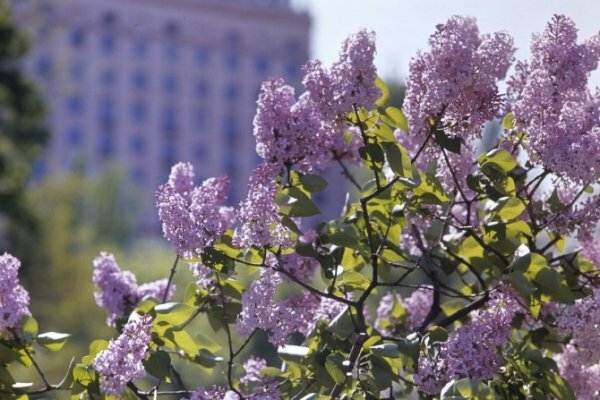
column 385, row 92
column 508, row 122
column 173, row 313
column 500, row 159
column 389, row 350
column 29, row 328
column 342, row 325
column 207, row 359
column 335, row 368
column 449, row 143
column 313, row 183
column 8, row 355
column 395, row 117
column 158, row 365
column 409, row 349
column 355, row 280
column 508, row 208
column 294, row 203
column 52, row 341
column 384, row 133
column 398, row 159
column 467, row 388
column 372, row 154
column 292, row 353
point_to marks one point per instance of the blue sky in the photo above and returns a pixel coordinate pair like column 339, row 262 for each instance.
column 403, row 26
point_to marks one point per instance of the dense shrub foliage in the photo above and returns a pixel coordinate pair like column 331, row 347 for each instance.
column 463, row 270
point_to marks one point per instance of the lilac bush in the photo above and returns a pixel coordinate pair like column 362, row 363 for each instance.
column 457, row 272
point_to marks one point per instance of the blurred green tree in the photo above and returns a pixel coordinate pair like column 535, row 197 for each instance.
column 22, row 130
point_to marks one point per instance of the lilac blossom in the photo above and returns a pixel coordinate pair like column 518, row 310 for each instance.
column 280, row 319
column 416, row 306
column 287, row 131
column 118, row 291
column 205, row 277
column 14, row 299
column 581, row 322
column 192, row 217
column 258, row 214
column 121, row 362
column 471, row 350
column 552, row 104
column 349, row 82
column 581, row 369
column 455, row 83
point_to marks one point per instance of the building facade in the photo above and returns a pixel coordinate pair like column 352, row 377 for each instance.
column 148, row 83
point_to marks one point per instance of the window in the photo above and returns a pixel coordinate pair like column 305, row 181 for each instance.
column 75, row 104
column 230, row 128
column 76, row 71
column 77, row 37
column 40, row 169
column 231, row 92
column 43, row 66
column 140, row 80
column 106, row 113
column 74, row 137
column 202, row 88
column 138, row 111
column 202, row 56
column 262, row 64
column 232, row 60
column 108, row 42
column 138, row 144
column 169, row 156
column 171, row 52
column 169, row 121
column 200, row 153
column 170, row 84
column 106, row 144
column 108, row 77
column 200, row 120
column 138, row 175
column 140, row 48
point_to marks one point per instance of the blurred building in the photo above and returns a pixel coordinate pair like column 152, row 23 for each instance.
column 148, row 83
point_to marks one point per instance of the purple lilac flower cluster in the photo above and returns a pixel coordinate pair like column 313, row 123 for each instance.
column 262, row 388
column 258, row 214
column 309, row 131
column 118, row 291
column 121, row 362
column 553, row 105
column 260, row 311
column 581, row 369
column 297, row 313
column 471, row 350
column 417, row 307
column 455, row 83
column 192, row 217
column 14, row 299
column 579, row 363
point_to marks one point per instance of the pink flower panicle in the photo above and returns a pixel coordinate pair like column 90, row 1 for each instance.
column 553, row 105
column 192, row 217
column 455, row 82
column 286, row 131
column 471, row 350
column 417, row 307
column 259, row 217
column 581, row 369
column 121, row 362
column 280, row 319
column 14, row 299
column 118, row 291
column 350, row 81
